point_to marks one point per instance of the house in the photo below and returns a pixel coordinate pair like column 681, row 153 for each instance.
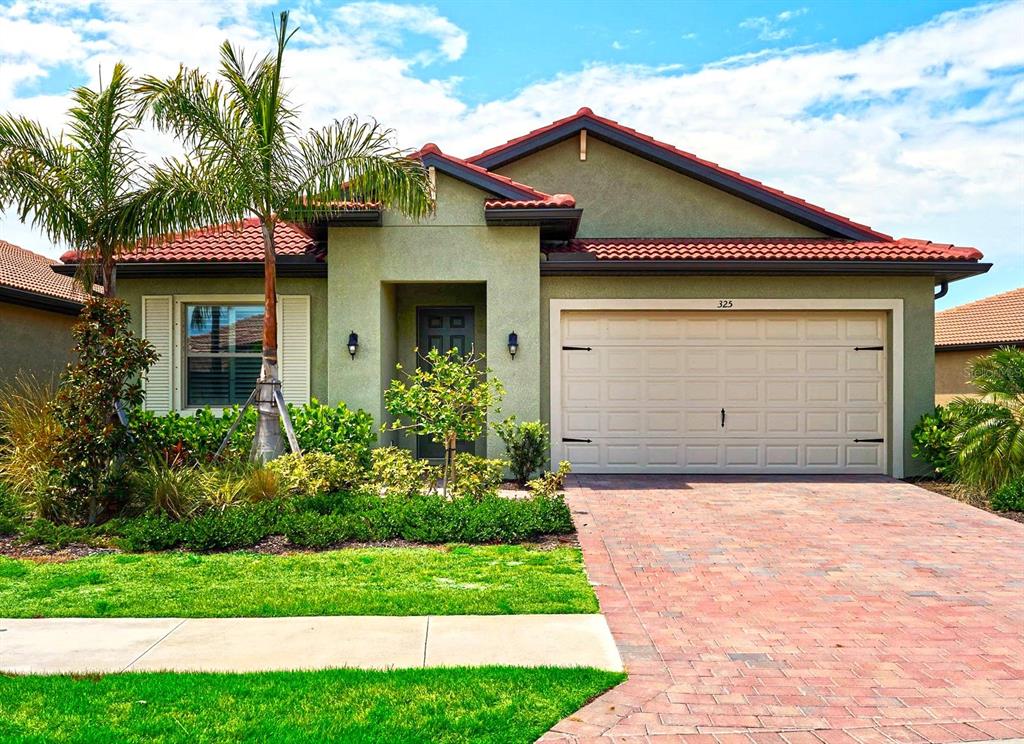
column 37, row 309
column 968, row 331
column 670, row 315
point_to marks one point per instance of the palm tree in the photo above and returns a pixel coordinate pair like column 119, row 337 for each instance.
column 80, row 187
column 247, row 157
column 989, row 431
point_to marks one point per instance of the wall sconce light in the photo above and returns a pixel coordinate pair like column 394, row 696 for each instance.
column 353, row 344
column 513, row 344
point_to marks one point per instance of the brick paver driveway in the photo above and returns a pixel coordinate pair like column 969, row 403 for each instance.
column 802, row 610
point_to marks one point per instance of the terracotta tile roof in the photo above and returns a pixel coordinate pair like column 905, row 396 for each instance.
column 995, row 320
column 765, row 249
column 29, row 272
column 585, row 114
column 555, row 200
column 224, row 243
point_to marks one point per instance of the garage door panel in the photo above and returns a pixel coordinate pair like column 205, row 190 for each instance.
column 650, row 391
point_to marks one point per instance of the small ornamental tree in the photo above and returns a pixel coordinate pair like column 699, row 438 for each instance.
column 446, row 398
column 527, row 445
column 111, row 360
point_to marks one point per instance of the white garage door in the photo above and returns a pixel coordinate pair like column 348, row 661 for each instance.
column 740, row 392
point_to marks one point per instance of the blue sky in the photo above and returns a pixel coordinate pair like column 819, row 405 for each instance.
column 908, row 116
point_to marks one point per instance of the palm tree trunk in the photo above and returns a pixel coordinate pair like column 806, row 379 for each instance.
column 108, row 271
column 268, row 443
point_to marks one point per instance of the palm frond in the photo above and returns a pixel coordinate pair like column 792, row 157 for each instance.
column 353, row 161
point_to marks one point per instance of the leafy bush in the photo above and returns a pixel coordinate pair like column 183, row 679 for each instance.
column 933, row 439
column 446, row 398
column 1009, row 497
column 336, row 430
column 239, row 527
column 111, row 359
column 221, row 489
column 550, row 483
column 317, row 472
column 56, row 536
column 396, row 472
column 12, row 513
column 989, row 432
column 475, row 476
column 527, row 445
column 194, row 439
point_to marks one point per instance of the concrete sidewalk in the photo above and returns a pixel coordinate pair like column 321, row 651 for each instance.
column 73, row 645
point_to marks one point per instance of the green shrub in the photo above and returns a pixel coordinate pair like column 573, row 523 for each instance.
column 317, row 472
column 337, row 431
column 12, row 513
column 1010, row 497
column 57, row 536
column 241, row 527
column 397, row 473
column 110, row 361
column 183, row 439
column 550, row 483
column 145, row 532
column 475, row 476
column 527, row 445
column 933, row 439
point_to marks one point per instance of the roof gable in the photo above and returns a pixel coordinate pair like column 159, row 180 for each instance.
column 686, row 163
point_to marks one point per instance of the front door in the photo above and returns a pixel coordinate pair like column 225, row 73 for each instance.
column 444, row 329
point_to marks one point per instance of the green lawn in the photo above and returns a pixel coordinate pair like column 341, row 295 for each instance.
column 457, row 580
column 486, row 704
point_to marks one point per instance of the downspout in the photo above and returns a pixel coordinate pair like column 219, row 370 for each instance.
column 943, row 288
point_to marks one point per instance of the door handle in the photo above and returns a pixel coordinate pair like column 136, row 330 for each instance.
column 723, row 418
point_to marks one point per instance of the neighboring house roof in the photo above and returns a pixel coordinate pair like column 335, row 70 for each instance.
column 992, row 321
column 28, row 278
column 672, row 157
column 235, row 243
column 763, row 249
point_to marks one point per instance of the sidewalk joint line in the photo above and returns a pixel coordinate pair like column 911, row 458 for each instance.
column 426, row 636
column 156, row 643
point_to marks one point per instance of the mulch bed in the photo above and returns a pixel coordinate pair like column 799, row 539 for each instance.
column 956, row 493
column 11, row 547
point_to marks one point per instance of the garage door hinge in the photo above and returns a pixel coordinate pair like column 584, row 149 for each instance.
column 869, row 440
column 574, row 439
column 576, row 348
column 869, row 348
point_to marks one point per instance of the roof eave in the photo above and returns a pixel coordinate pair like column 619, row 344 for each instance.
column 978, row 345
column 556, row 223
column 39, row 301
column 287, row 266
column 941, row 270
column 660, row 156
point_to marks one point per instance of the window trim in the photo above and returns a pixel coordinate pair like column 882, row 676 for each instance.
column 186, row 355
column 178, row 375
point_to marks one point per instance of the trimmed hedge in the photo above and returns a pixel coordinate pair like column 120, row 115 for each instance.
column 323, row 520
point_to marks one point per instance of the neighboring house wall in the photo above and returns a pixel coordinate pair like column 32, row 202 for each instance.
column 951, row 373
column 132, row 290
column 624, row 195
column 371, row 270
column 916, row 293
column 34, row 341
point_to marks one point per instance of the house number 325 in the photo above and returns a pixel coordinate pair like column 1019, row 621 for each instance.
column 724, row 304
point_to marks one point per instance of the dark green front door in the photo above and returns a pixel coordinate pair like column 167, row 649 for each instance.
column 444, row 329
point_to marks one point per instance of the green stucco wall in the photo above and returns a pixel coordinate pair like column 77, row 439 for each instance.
column 623, row 195
column 132, row 291
column 918, row 320
column 35, row 342
column 454, row 247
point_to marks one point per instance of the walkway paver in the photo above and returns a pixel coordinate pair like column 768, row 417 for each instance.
column 78, row 645
column 794, row 610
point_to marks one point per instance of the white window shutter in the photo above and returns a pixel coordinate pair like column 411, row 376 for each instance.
column 158, row 329
column 293, row 342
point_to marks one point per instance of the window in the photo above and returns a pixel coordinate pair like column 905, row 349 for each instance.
column 222, row 353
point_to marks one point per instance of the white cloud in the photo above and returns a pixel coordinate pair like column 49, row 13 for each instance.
column 772, row 29
column 919, row 132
